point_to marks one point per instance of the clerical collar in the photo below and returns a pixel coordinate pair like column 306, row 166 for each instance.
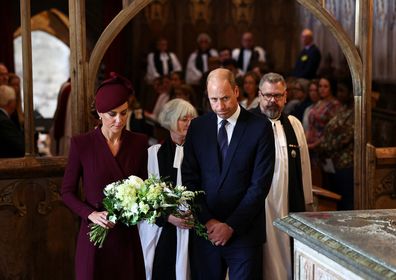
column 275, row 120
column 233, row 119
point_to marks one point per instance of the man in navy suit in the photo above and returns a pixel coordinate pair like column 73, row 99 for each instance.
column 235, row 175
column 309, row 58
column 12, row 139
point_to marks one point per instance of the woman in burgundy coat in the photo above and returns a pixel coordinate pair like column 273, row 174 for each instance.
column 107, row 154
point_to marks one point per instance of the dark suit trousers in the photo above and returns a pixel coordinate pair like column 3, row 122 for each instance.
column 210, row 262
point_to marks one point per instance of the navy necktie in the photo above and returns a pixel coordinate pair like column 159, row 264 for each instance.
column 222, row 139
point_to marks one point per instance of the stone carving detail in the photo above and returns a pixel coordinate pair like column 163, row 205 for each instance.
column 200, row 11
column 243, row 11
column 9, row 197
column 306, row 266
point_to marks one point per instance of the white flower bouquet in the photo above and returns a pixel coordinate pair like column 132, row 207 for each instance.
column 132, row 200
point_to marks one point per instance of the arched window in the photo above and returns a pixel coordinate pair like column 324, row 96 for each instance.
column 50, row 58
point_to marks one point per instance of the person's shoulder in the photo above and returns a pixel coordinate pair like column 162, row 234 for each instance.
column 86, row 136
column 194, row 53
column 135, row 136
column 255, row 118
column 3, row 116
column 202, row 121
column 256, row 111
column 213, row 52
column 259, row 49
column 235, row 51
column 205, row 117
column 154, row 147
column 84, row 140
column 294, row 121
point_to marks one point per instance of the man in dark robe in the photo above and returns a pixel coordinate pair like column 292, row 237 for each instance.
column 291, row 187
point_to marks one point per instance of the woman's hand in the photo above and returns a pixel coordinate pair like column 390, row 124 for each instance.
column 100, row 218
column 184, row 222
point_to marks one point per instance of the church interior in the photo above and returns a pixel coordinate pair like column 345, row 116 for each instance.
column 93, row 38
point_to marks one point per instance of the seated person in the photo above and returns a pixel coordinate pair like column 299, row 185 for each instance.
column 12, row 139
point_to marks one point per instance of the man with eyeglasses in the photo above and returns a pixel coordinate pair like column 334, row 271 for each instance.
column 291, row 188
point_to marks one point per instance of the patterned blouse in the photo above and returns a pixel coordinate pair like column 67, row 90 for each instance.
column 338, row 137
column 319, row 116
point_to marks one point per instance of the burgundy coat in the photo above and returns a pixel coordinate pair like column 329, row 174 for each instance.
column 91, row 160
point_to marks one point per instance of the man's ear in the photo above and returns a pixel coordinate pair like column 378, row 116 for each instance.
column 236, row 91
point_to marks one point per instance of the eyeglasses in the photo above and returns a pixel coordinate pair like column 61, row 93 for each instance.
column 269, row 96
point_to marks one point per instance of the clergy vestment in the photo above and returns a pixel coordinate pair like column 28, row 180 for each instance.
column 197, row 65
column 291, row 190
column 91, row 160
column 160, row 64
column 248, row 58
column 164, row 244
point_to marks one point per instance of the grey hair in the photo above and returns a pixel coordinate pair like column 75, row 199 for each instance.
column 273, row 78
column 173, row 110
column 7, row 94
column 204, row 36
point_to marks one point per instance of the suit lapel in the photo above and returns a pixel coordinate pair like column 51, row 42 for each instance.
column 235, row 140
column 212, row 138
column 106, row 157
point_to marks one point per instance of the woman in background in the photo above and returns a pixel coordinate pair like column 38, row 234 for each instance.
column 337, row 145
column 165, row 245
column 320, row 114
column 250, row 90
column 104, row 155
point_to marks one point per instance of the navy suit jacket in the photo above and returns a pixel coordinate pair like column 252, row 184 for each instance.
column 12, row 143
column 307, row 63
column 234, row 194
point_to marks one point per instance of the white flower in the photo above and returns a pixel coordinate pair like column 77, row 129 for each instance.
column 135, row 181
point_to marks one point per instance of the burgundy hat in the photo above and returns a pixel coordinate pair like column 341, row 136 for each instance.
column 112, row 93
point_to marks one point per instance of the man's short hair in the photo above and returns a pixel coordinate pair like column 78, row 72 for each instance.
column 228, row 75
column 204, row 36
column 7, row 94
column 273, row 78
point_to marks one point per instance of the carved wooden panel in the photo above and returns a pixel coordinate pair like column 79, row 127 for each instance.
column 37, row 231
column 382, row 177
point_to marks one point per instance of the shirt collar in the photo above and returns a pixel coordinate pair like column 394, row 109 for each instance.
column 233, row 119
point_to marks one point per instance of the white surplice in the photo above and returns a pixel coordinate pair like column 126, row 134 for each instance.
column 277, row 252
column 150, row 233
